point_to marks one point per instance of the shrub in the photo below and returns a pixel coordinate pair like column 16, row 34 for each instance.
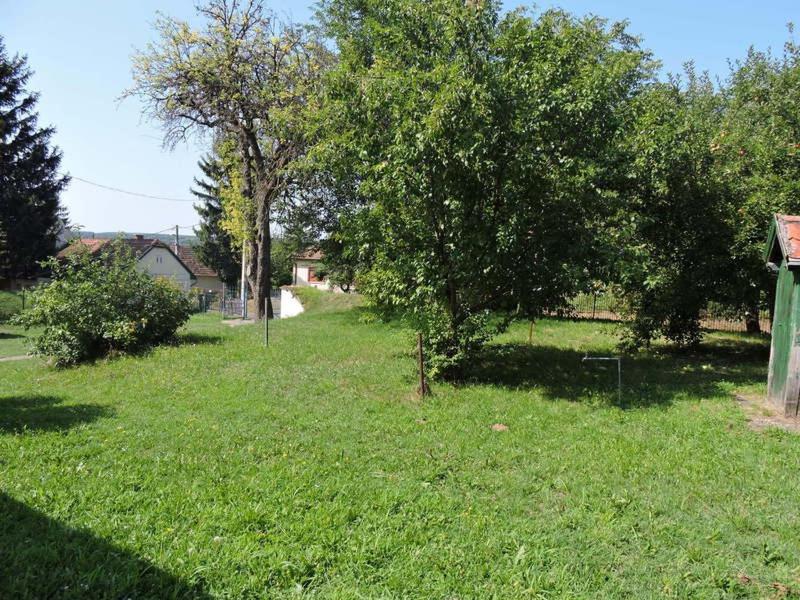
column 100, row 305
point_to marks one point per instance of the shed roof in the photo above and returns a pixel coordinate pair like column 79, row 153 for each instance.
column 784, row 240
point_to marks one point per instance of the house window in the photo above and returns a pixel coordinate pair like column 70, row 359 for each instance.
column 159, row 259
column 312, row 275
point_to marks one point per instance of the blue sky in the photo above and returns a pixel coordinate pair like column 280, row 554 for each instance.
column 80, row 52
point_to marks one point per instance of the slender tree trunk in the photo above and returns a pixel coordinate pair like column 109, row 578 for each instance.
column 751, row 320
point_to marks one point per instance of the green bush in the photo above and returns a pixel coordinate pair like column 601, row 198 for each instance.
column 100, row 305
column 10, row 305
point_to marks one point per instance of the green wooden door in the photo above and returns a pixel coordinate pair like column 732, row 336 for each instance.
column 782, row 334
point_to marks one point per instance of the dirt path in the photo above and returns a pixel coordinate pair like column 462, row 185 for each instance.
column 13, row 358
column 761, row 415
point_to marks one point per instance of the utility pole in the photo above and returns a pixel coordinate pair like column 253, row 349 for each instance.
column 243, row 290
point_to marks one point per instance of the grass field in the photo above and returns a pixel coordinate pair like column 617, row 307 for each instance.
column 217, row 468
column 14, row 340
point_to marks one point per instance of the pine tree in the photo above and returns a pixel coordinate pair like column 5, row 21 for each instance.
column 30, row 214
column 216, row 246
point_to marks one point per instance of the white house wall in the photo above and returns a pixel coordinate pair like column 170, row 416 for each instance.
column 301, row 274
column 160, row 262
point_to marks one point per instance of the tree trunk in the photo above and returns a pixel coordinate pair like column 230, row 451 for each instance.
column 751, row 320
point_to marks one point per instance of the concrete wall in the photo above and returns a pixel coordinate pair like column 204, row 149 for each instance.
column 206, row 284
column 160, row 262
column 290, row 305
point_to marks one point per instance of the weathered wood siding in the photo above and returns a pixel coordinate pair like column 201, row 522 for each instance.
column 784, row 360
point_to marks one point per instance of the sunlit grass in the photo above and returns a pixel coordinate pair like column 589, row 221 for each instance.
column 220, row 468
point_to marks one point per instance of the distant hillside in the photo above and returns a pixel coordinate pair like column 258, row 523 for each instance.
column 186, row 240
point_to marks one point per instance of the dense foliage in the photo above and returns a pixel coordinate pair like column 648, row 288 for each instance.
column 100, row 305
column 481, row 149
column 672, row 231
column 758, row 151
column 30, row 183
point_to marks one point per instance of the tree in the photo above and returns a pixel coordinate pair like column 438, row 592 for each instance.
column 758, row 152
column 216, row 248
column 672, row 231
column 480, row 148
column 30, row 183
column 246, row 76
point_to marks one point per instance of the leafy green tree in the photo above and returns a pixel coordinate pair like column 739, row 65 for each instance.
column 245, row 76
column 673, row 232
column 215, row 248
column 30, row 183
column 758, row 151
column 481, row 148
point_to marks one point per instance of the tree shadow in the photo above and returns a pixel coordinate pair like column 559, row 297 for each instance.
column 656, row 378
column 39, row 413
column 196, row 339
column 10, row 336
column 43, row 558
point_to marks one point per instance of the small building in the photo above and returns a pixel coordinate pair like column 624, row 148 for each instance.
column 307, row 269
column 206, row 278
column 783, row 257
column 152, row 255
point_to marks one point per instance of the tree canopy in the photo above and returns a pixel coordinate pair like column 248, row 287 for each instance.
column 480, row 147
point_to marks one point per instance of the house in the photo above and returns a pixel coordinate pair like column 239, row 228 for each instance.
column 783, row 257
column 152, row 255
column 206, row 278
column 307, row 269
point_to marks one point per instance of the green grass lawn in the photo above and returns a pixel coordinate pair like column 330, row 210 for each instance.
column 217, row 468
column 14, row 340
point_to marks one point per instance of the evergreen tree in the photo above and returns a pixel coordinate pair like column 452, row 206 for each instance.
column 216, row 245
column 30, row 214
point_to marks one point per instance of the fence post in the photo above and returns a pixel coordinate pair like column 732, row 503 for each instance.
column 530, row 334
column 423, row 384
column 594, row 304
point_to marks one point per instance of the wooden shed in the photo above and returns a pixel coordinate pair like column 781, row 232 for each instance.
column 783, row 257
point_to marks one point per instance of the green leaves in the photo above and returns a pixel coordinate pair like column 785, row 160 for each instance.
column 98, row 305
column 479, row 149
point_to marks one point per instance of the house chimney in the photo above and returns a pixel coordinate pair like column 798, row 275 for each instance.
column 139, row 236
column 177, row 239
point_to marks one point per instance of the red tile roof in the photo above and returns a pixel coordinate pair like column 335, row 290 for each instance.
column 93, row 245
column 788, row 234
column 310, row 254
column 140, row 245
column 191, row 260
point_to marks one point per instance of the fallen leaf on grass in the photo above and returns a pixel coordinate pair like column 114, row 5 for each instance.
column 499, row 427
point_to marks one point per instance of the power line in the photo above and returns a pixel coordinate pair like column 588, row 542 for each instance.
column 113, row 189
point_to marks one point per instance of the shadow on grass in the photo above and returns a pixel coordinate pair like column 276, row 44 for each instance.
column 36, row 413
column 42, row 558
column 196, row 339
column 10, row 336
column 651, row 379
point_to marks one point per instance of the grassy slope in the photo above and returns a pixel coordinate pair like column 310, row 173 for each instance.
column 219, row 468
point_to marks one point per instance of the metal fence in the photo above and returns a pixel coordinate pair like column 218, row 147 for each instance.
column 605, row 307
column 229, row 303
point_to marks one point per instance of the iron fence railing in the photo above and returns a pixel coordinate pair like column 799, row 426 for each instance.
column 605, row 307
